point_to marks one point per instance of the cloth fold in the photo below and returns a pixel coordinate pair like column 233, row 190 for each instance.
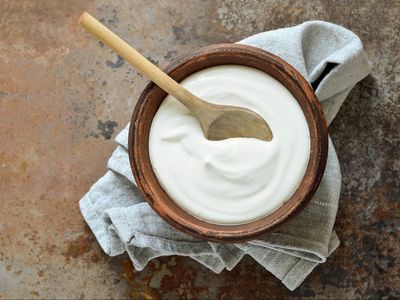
column 332, row 60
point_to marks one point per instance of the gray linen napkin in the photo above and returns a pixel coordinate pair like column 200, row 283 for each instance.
column 332, row 59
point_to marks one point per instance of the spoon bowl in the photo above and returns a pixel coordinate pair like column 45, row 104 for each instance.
column 236, row 121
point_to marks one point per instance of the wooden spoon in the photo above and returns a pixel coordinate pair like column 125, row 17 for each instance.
column 218, row 122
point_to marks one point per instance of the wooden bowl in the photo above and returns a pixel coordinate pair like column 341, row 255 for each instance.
column 151, row 99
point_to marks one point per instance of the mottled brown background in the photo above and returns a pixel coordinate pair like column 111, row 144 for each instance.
column 64, row 96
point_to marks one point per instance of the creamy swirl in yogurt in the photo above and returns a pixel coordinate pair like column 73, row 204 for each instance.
column 237, row 180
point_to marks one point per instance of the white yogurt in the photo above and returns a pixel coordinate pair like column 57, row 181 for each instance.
column 237, row 180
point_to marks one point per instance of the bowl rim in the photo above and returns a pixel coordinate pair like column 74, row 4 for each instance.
column 209, row 56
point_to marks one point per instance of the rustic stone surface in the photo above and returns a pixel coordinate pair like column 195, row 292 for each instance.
column 64, row 96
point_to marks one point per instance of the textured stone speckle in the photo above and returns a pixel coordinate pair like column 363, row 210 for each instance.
column 64, row 96
column 106, row 129
column 119, row 63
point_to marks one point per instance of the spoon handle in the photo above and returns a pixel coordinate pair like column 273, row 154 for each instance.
column 137, row 60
